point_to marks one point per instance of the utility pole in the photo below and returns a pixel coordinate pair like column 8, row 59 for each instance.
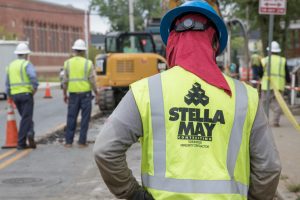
column 131, row 16
column 131, row 22
column 86, row 30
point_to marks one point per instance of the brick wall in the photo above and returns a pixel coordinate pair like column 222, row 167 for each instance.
column 50, row 29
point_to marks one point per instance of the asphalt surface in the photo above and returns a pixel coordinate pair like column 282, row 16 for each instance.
column 53, row 172
column 48, row 113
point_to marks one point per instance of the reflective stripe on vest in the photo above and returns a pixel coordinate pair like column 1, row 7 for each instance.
column 160, row 182
column 78, row 70
column 19, row 81
column 21, row 75
column 85, row 78
column 277, row 72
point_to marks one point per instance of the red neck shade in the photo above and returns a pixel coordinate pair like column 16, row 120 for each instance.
column 193, row 51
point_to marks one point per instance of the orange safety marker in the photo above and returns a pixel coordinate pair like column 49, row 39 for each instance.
column 11, row 127
column 47, row 92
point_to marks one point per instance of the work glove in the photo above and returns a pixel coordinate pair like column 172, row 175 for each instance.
column 141, row 194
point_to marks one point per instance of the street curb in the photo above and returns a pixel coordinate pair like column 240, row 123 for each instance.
column 62, row 126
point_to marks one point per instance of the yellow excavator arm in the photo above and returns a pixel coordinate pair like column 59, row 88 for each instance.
column 214, row 3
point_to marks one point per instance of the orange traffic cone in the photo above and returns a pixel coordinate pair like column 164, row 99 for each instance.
column 47, row 91
column 11, row 127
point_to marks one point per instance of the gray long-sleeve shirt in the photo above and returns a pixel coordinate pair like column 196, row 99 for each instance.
column 124, row 127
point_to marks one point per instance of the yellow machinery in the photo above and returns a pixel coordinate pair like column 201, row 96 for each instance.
column 129, row 57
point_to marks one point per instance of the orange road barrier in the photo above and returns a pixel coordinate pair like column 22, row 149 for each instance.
column 11, row 127
column 47, row 92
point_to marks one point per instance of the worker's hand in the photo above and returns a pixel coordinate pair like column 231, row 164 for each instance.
column 34, row 91
column 96, row 98
column 66, row 99
column 141, row 194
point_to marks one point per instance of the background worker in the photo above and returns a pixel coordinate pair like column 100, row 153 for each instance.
column 79, row 81
column 279, row 76
column 21, row 85
column 255, row 62
column 194, row 146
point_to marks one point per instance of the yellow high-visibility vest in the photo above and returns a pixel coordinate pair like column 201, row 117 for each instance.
column 196, row 138
column 277, row 72
column 78, row 69
column 19, row 81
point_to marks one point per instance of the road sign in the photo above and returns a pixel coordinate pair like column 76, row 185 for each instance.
column 272, row 7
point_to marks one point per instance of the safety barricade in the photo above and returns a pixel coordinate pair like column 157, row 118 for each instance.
column 245, row 73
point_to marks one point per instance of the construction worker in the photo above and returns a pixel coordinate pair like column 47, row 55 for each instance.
column 21, row 85
column 203, row 135
column 279, row 77
column 256, row 67
column 79, row 80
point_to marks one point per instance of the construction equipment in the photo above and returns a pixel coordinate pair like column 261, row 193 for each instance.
column 129, row 57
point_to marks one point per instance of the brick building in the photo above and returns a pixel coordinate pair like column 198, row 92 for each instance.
column 293, row 43
column 50, row 29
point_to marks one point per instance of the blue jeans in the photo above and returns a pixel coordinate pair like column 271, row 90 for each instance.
column 24, row 103
column 77, row 102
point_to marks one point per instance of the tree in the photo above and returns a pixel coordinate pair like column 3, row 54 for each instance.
column 117, row 12
column 5, row 35
column 248, row 10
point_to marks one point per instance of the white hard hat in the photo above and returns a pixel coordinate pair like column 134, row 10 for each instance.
column 275, row 47
column 22, row 48
column 79, row 45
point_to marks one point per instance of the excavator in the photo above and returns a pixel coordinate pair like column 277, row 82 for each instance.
column 129, row 57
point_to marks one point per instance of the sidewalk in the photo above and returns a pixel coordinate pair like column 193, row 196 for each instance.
column 287, row 139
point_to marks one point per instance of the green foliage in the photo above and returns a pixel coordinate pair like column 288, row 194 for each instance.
column 117, row 12
column 248, row 10
column 6, row 35
column 294, row 188
column 93, row 51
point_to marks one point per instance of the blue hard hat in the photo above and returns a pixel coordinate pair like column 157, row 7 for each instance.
column 200, row 7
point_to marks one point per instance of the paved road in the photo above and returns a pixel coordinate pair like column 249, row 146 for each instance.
column 54, row 172
column 48, row 113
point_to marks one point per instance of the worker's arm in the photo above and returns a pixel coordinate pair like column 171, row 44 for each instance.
column 92, row 80
column 122, row 129
column 7, row 86
column 65, row 82
column 265, row 164
column 30, row 71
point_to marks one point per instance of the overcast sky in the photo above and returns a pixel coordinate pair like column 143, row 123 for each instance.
column 98, row 25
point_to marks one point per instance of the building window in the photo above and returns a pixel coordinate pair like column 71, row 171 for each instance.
column 42, row 33
column 29, row 34
column 65, row 39
column 289, row 39
column 54, row 38
column 297, row 39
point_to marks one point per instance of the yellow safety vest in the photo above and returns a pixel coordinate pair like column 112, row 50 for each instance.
column 78, row 69
column 277, row 72
column 19, row 81
column 255, row 60
column 195, row 142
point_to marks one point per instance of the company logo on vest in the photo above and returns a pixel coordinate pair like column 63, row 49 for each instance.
column 196, row 124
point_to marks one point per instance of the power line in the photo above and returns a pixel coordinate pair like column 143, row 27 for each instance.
column 78, row 12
